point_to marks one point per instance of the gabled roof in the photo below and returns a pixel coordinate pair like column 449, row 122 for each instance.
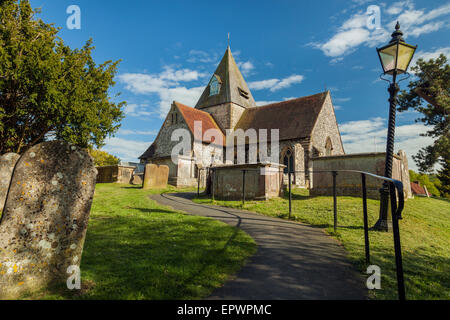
column 233, row 87
column 418, row 189
column 294, row 118
column 191, row 114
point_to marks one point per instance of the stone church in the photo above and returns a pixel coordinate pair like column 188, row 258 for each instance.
column 307, row 126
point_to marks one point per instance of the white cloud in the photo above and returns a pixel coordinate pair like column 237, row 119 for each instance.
column 180, row 75
column 137, row 132
column 370, row 135
column 201, row 56
column 276, row 84
column 126, row 150
column 353, row 32
column 427, row 55
column 245, row 67
column 166, row 85
column 263, row 103
column 341, row 99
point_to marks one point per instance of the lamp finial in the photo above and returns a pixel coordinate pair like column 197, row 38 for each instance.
column 397, row 35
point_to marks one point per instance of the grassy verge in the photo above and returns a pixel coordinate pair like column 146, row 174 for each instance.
column 138, row 249
column 425, row 236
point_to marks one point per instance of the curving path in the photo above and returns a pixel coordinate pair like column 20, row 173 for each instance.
column 293, row 261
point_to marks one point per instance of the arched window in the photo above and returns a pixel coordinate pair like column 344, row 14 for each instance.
column 214, row 85
column 288, row 161
column 328, row 147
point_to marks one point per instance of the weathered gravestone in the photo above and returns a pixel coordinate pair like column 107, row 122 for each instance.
column 137, row 178
column 155, row 176
column 7, row 164
column 45, row 217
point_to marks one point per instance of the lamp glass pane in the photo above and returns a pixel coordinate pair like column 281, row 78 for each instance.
column 388, row 57
column 405, row 54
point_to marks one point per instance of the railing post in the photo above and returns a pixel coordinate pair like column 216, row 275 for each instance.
column 213, row 178
column 290, row 194
column 198, row 182
column 366, row 224
column 243, row 187
column 334, row 200
column 397, row 244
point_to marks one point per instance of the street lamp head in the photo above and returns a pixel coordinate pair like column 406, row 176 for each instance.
column 396, row 56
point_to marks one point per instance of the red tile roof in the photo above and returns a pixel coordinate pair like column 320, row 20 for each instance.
column 191, row 114
column 417, row 189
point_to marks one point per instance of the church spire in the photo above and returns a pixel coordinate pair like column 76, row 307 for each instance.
column 227, row 85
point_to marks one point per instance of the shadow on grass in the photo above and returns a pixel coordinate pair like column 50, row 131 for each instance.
column 161, row 258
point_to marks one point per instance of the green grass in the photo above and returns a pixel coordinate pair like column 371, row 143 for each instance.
column 424, row 229
column 138, row 249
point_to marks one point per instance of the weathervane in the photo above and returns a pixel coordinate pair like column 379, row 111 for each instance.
column 228, row 39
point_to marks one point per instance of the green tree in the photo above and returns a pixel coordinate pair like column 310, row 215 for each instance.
column 425, row 180
column 103, row 158
column 432, row 84
column 48, row 90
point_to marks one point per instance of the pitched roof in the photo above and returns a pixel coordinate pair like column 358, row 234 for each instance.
column 191, row 114
column 294, row 118
column 417, row 189
column 233, row 87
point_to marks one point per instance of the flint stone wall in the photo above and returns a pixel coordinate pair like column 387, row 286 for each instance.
column 45, row 217
column 349, row 184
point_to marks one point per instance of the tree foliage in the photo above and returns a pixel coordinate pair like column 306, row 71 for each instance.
column 103, row 158
column 425, row 180
column 47, row 89
column 432, row 85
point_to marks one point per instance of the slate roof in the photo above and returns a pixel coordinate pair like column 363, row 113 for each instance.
column 294, row 118
column 232, row 85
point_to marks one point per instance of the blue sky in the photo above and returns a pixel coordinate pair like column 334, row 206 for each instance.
column 285, row 49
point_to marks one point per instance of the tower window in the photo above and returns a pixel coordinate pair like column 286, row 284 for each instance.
column 214, row 85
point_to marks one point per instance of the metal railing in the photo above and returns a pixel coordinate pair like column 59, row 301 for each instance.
column 397, row 205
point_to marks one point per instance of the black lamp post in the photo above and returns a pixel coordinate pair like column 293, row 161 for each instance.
column 395, row 58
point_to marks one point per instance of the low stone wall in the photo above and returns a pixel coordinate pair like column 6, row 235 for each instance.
column 111, row 174
column 349, row 184
column 228, row 181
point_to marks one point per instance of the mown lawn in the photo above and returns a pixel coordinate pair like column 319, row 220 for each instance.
column 138, row 249
column 424, row 229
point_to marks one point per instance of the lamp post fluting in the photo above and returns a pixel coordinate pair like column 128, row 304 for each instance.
column 395, row 58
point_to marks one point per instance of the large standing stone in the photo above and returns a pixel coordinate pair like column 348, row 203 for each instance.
column 155, row 176
column 7, row 164
column 45, row 217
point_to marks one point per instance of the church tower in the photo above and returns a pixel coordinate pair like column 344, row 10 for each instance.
column 227, row 95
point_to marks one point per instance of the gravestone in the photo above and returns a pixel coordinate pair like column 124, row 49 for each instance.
column 155, row 177
column 45, row 217
column 137, row 178
column 7, row 164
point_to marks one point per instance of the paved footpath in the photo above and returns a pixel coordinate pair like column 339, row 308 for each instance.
column 293, row 261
